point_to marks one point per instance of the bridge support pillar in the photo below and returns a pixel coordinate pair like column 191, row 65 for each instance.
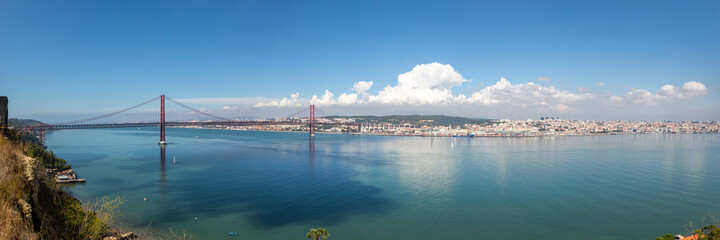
column 162, row 120
column 312, row 120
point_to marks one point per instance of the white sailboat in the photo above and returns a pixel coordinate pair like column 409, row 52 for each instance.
column 174, row 159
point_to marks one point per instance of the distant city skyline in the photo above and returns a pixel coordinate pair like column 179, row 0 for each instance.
column 654, row 60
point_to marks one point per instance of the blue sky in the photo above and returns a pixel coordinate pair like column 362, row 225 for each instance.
column 61, row 59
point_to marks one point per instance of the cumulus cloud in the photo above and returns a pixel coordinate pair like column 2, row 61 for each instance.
column 544, row 79
column 525, row 95
column 325, row 99
column 431, row 85
column 640, row 96
column 347, row 99
column 667, row 93
column 424, row 84
column 284, row 102
column 362, row 86
column 692, row 89
column 600, row 84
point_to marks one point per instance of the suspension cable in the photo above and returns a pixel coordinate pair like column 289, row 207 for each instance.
column 107, row 115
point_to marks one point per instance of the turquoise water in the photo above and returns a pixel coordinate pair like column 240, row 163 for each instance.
column 271, row 185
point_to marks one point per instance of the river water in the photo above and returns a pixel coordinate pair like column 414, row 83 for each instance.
column 273, row 185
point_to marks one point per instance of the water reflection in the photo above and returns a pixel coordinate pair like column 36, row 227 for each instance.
column 311, row 152
column 425, row 166
column 269, row 185
column 162, row 166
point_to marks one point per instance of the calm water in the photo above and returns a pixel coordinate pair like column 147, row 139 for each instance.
column 265, row 185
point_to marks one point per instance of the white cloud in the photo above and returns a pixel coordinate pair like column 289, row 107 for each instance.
column 666, row 93
column 284, row 102
column 692, row 89
column 424, row 84
column 525, row 95
column 544, row 79
column 432, row 75
column 640, row 96
column 430, row 85
column 362, row 86
column 324, row 100
column 561, row 108
column 347, row 99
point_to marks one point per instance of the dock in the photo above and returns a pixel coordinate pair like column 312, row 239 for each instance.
column 67, row 176
column 70, row 180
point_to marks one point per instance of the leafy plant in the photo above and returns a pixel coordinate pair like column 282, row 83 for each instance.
column 319, row 233
column 91, row 220
column 666, row 237
column 709, row 232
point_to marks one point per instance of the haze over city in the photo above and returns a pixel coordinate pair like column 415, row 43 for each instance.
column 644, row 60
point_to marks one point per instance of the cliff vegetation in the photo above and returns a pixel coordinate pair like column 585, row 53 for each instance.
column 33, row 206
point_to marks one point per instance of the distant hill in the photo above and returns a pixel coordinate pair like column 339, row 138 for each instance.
column 21, row 123
column 430, row 120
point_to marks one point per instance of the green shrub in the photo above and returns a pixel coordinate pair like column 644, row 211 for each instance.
column 317, row 234
column 666, row 237
column 709, row 232
column 32, row 206
column 90, row 221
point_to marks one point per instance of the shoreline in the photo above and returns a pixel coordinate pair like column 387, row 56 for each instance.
column 460, row 136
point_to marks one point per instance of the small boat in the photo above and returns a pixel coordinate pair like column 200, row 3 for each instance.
column 174, row 159
column 233, row 234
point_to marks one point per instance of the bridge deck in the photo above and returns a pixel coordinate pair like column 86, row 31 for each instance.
column 176, row 124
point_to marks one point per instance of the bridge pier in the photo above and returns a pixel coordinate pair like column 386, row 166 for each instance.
column 312, row 121
column 162, row 120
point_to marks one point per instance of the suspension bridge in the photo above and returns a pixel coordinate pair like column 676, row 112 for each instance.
column 163, row 111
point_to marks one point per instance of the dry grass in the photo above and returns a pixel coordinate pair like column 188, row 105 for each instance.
column 16, row 220
column 32, row 206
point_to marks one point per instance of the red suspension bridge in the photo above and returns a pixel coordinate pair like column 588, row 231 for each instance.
column 156, row 113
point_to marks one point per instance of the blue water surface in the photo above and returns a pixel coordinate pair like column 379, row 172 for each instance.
column 273, row 185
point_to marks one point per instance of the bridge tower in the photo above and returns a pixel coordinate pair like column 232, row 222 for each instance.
column 312, row 120
column 162, row 120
